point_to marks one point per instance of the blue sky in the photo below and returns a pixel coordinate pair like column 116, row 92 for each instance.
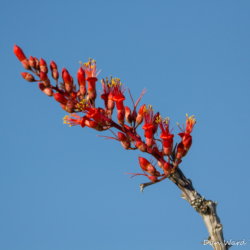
column 64, row 188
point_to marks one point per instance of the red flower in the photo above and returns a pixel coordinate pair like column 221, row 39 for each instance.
column 166, row 136
column 91, row 112
column 186, row 138
column 118, row 91
column 148, row 125
column 74, row 120
column 118, row 97
column 90, row 71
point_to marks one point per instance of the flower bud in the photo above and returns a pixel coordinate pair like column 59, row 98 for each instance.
column 180, row 149
column 144, row 163
column 37, row 64
column 120, row 116
column 153, row 178
column 128, row 115
column 47, row 91
column 94, row 125
column 32, row 62
column 54, row 72
column 141, row 146
column 43, row 66
column 60, row 98
column 81, row 81
column 28, row 77
column 53, row 65
column 44, row 78
column 134, row 115
column 167, row 167
column 26, row 64
column 124, row 140
column 111, row 103
column 19, row 53
column 139, row 118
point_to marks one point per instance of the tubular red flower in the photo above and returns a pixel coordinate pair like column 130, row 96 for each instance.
column 90, row 69
column 166, row 136
column 73, row 120
column 148, row 126
column 186, row 137
column 118, row 91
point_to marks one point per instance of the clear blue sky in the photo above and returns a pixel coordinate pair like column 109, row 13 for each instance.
column 64, row 188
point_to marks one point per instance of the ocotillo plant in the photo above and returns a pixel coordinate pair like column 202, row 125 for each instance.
column 80, row 105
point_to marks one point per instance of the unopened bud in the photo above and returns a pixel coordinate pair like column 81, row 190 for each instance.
column 19, row 53
column 26, row 64
column 94, row 125
column 44, row 78
column 47, row 91
column 120, row 116
column 55, row 74
column 139, row 118
column 180, row 149
column 28, row 77
column 37, row 64
column 32, row 62
column 111, row 103
column 153, row 178
column 43, row 66
column 141, row 146
column 128, row 114
column 134, row 115
column 53, row 65
column 60, row 98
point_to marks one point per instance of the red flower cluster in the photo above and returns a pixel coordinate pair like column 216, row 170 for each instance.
column 83, row 101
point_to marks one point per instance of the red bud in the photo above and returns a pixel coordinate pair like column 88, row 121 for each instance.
column 28, row 77
column 32, row 62
column 19, row 53
column 81, row 77
column 121, row 136
column 60, row 98
column 26, row 64
column 43, row 66
column 180, row 149
column 37, row 64
column 53, row 65
column 152, row 178
column 44, row 78
column 47, row 91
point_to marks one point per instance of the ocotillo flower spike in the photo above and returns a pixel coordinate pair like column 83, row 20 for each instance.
column 76, row 101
